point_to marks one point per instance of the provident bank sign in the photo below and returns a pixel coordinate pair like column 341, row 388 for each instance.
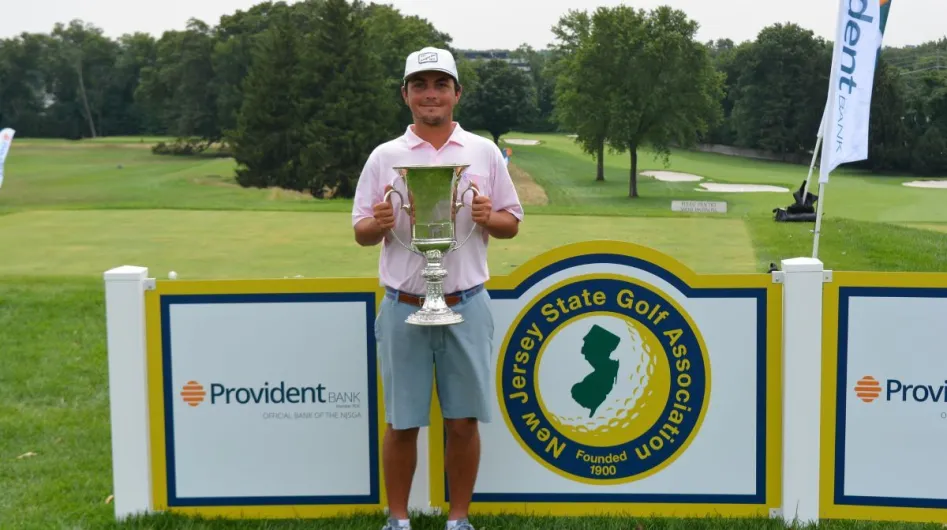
column 268, row 398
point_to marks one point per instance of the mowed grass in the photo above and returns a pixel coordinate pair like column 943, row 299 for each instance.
column 569, row 178
column 87, row 174
column 68, row 212
column 235, row 244
column 46, row 174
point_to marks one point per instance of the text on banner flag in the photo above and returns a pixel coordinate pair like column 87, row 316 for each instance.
column 858, row 40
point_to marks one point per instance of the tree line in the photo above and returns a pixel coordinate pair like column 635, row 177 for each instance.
column 299, row 94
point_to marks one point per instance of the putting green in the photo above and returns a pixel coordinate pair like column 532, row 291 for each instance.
column 242, row 244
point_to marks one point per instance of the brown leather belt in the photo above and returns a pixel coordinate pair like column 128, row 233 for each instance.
column 413, row 299
column 451, row 298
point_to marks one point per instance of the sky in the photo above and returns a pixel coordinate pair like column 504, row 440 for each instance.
column 492, row 24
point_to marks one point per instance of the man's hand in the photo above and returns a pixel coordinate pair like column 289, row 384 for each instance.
column 384, row 214
column 480, row 210
column 372, row 230
column 499, row 224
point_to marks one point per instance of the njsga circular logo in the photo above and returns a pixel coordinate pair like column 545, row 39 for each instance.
column 603, row 379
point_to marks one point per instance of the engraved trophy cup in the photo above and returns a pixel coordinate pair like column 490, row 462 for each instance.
column 432, row 202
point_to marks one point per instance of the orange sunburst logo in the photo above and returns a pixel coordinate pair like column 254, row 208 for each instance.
column 193, row 393
column 868, row 389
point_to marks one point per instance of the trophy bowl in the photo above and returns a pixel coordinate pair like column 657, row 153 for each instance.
column 431, row 198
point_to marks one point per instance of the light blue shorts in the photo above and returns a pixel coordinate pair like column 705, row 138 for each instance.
column 457, row 358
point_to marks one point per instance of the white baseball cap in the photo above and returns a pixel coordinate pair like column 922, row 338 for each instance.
column 431, row 59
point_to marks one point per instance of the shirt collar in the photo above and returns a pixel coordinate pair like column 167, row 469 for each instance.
column 456, row 137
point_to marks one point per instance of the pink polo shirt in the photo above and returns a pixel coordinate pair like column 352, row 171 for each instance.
column 399, row 268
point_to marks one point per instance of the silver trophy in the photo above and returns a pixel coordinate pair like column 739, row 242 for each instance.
column 432, row 203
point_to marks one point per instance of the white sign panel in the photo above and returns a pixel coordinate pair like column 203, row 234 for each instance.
column 891, row 418
column 270, row 399
column 616, row 381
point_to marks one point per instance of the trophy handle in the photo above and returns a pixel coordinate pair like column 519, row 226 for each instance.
column 460, row 199
column 404, row 207
column 460, row 204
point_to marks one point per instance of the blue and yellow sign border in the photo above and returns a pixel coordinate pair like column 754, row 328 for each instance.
column 833, row 503
column 769, row 394
column 169, row 292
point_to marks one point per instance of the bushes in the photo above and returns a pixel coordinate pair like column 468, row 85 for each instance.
column 192, row 147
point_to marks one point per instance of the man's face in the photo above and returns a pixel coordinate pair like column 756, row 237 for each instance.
column 431, row 96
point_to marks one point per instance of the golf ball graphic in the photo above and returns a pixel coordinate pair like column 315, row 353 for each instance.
column 603, row 379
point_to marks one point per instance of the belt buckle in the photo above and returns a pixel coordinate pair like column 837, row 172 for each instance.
column 451, row 299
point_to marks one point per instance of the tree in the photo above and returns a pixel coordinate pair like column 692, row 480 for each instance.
column 267, row 139
column 888, row 146
column 927, row 121
column 314, row 104
column 70, row 51
column 930, row 152
column 23, row 79
column 781, row 90
column 581, row 86
column 662, row 87
column 543, row 83
column 504, row 99
column 233, row 55
column 727, row 59
column 81, row 64
column 344, row 108
column 179, row 88
column 127, row 117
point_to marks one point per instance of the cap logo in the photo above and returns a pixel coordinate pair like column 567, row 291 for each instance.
column 428, row 57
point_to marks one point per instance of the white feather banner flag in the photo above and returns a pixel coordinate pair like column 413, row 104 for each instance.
column 857, row 42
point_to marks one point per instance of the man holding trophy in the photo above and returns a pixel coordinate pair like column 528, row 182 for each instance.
column 433, row 197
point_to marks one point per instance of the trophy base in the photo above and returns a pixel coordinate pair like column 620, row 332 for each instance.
column 435, row 318
column 434, row 311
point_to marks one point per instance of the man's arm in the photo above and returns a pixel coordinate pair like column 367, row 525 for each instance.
column 502, row 224
column 371, row 220
column 368, row 232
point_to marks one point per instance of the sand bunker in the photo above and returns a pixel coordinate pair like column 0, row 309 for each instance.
column 671, row 176
column 941, row 184
column 520, row 141
column 740, row 188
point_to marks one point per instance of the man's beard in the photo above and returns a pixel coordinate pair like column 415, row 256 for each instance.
column 432, row 120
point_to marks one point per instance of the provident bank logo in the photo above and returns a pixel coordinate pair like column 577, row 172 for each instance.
column 194, row 394
column 869, row 389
